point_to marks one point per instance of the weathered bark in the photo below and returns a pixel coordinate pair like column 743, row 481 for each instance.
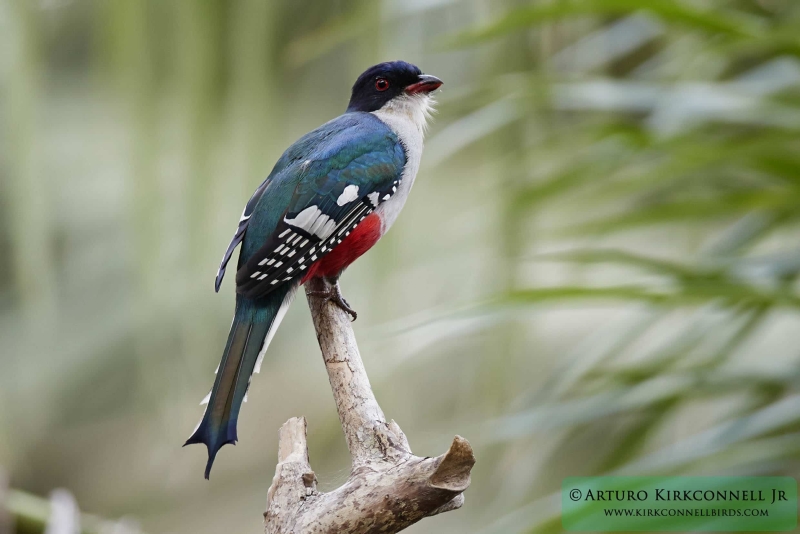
column 389, row 488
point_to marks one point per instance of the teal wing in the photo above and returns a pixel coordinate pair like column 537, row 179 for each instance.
column 321, row 188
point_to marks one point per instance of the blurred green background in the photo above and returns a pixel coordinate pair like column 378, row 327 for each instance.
column 596, row 272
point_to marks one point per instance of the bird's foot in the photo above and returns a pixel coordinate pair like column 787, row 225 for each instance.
column 334, row 294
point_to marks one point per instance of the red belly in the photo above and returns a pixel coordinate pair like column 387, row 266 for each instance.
column 357, row 243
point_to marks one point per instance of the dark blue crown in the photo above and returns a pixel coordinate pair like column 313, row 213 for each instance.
column 369, row 93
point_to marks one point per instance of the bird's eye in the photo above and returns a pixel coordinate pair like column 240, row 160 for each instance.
column 381, row 84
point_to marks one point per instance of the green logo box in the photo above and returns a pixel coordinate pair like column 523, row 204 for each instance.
column 679, row 504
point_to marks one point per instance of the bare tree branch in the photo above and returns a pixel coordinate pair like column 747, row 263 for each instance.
column 389, row 488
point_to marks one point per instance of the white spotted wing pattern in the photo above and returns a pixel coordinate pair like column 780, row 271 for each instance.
column 298, row 247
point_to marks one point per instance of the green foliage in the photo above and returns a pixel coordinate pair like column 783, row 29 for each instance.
column 666, row 186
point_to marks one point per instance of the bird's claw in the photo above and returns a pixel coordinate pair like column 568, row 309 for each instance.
column 334, row 294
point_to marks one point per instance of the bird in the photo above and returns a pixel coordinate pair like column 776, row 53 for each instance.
column 329, row 198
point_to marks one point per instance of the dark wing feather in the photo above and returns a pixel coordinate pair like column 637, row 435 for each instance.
column 240, row 231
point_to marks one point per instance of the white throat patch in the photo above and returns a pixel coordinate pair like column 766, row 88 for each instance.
column 407, row 116
column 416, row 108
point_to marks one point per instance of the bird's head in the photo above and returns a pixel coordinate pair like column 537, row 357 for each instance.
column 390, row 82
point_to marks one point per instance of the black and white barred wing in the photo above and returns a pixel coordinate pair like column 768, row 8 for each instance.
column 303, row 240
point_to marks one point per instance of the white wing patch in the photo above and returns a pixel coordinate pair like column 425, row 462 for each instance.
column 349, row 194
column 313, row 221
column 374, row 197
column 322, row 227
column 305, row 218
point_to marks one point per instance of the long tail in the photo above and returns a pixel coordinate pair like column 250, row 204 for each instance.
column 254, row 325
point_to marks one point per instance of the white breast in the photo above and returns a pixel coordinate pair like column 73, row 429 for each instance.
column 407, row 116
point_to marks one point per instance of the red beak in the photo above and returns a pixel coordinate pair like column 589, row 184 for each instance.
column 426, row 84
